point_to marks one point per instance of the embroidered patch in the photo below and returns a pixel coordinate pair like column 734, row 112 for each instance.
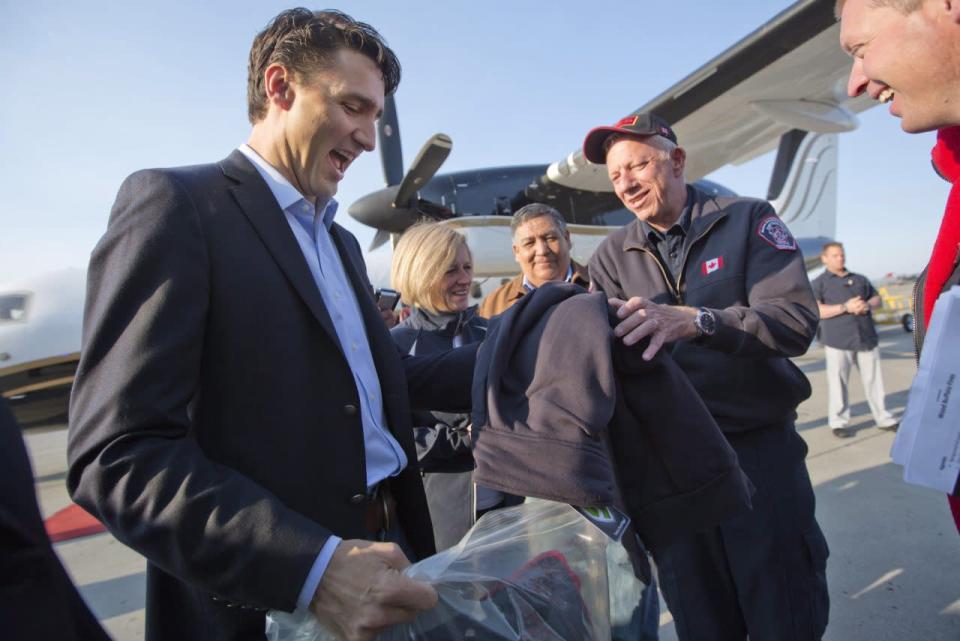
column 773, row 231
column 712, row 265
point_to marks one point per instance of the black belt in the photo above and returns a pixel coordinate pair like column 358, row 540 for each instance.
column 381, row 511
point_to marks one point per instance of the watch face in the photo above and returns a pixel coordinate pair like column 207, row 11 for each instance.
column 706, row 322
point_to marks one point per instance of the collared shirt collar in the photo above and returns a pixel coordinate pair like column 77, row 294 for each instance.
column 527, row 285
column 285, row 194
column 682, row 225
column 845, row 274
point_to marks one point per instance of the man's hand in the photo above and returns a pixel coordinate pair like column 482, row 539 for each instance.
column 662, row 323
column 856, row 306
column 362, row 591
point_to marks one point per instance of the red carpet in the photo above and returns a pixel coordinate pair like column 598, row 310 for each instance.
column 70, row 523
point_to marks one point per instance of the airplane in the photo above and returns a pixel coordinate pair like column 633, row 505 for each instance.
column 40, row 323
column 782, row 86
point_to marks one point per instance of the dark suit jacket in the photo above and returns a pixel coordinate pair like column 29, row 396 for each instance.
column 214, row 422
column 37, row 599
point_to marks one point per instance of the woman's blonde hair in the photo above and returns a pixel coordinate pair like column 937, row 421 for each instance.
column 420, row 260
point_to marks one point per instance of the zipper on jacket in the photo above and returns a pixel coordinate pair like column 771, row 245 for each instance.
column 686, row 255
column 663, row 272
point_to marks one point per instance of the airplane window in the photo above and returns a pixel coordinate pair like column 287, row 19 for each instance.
column 485, row 192
column 13, row 307
column 503, row 190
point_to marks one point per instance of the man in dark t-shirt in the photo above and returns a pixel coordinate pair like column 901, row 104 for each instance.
column 849, row 338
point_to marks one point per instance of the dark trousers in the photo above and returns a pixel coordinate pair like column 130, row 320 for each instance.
column 762, row 574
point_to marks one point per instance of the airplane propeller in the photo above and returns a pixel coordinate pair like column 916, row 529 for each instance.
column 395, row 208
column 388, row 134
column 424, row 166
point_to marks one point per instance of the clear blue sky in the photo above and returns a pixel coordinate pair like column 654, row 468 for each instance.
column 96, row 90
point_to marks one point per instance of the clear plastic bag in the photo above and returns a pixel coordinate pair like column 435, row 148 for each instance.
column 534, row 572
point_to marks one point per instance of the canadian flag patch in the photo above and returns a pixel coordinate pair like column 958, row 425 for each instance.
column 712, row 265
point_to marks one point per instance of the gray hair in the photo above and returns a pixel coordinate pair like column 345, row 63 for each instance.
column 536, row 210
column 659, row 142
column 903, row 6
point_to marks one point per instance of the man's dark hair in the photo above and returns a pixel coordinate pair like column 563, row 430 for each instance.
column 304, row 41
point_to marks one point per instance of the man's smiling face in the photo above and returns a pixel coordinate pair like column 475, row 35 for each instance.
column 332, row 120
column 910, row 61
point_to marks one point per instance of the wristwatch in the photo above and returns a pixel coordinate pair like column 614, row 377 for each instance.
column 706, row 323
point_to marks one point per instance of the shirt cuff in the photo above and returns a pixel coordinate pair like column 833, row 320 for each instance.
column 316, row 572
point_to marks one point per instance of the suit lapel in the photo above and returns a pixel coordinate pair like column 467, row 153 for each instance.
column 261, row 209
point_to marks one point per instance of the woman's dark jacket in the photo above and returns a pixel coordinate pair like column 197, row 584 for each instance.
column 443, row 443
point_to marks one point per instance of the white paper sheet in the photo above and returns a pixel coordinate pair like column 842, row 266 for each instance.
column 928, row 441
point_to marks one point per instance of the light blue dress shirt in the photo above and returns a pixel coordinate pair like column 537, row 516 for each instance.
column 311, row 227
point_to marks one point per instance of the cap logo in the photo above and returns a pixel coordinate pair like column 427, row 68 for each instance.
column 629, row 121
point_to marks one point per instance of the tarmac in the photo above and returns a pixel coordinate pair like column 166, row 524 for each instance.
column 894, row 567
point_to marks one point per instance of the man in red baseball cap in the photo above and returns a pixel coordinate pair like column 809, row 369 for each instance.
column 720, row 282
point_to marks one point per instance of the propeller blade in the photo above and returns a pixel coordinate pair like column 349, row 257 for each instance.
column 380, row 238
column 424, row 166
column 376, row 210
column 388, row 133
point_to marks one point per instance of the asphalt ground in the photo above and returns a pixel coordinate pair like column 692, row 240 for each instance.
column 894, row 568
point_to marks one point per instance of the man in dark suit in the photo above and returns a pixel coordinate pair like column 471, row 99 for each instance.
column 38, row 602
column 240, row 415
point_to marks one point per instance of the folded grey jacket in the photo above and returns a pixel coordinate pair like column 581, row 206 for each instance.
column 562, row 410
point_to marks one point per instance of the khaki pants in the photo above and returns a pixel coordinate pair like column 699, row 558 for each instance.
column 839, row 363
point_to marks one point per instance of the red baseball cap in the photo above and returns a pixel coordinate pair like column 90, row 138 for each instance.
column 634, row 125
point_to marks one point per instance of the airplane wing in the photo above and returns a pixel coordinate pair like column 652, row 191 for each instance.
column 788, row 74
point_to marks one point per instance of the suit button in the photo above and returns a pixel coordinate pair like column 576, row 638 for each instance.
column 350, row 410
column 358, row 498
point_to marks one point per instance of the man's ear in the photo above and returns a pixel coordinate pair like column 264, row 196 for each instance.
column 516, row 253
column 678, row 159
column 278, row 87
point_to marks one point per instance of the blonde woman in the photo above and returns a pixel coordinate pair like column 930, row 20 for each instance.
column 433, row 271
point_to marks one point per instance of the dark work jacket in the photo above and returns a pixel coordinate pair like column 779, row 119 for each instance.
column 38, row 602
column 760, row 294
column 442, row 440
column 562, row 410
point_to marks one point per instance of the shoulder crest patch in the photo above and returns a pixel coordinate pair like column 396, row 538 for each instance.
column 774, row 232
